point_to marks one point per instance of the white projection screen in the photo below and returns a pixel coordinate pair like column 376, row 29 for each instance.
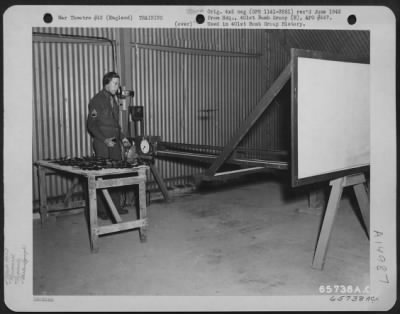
column 330, row 116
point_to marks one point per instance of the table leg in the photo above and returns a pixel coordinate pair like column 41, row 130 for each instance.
column 42, row 194
column 142, row 210
column 92, row 206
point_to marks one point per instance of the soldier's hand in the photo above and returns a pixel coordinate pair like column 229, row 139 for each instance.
column 110, row 142
column 126, row 142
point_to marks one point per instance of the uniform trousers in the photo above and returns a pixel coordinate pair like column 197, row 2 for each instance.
column 102, row 150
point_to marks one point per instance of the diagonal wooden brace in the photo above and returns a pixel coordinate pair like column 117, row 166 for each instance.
column 159, row 181
column 112, row 206
column 110, row 203
column 262, row 105
column 67, row 199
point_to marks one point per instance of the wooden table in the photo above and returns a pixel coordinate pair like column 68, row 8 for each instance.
column 98, row 180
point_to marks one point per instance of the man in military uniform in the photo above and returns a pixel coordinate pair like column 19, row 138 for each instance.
column 103, row 126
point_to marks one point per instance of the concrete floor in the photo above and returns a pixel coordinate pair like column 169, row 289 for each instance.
column 244, row 239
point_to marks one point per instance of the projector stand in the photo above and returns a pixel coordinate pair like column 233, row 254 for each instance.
column 357, row 181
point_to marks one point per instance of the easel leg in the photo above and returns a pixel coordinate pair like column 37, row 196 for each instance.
column 142, row 210
column 42, row 194
column 93, row 214
column 327, row 223
column 363, row 202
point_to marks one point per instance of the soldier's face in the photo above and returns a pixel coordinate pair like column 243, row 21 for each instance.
column 112, row 87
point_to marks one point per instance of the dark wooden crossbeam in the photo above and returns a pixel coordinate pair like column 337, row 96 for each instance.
column 263, row 104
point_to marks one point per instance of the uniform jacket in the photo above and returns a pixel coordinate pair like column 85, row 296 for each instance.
column 103, row 117
column 103, row 122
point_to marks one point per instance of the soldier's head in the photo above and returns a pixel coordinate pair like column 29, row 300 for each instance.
column 111, row 82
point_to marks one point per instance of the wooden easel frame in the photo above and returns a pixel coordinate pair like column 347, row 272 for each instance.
column 262, row 105
column 358, row 182
column 296, row 180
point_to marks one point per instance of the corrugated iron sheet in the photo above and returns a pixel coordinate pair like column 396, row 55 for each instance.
column 66, row 76
column 196, row 98
column 189, row 97
column 347, row 43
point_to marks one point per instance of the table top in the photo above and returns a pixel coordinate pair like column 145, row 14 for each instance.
column 87, row 173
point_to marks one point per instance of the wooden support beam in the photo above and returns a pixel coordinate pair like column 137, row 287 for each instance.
column 110, row 203
column 62, row 207
column 67, row 212
column 354, row 179
column 358, row 183
column 232, row 174
column 142, row 212
column 327, row 224
column 363, row 203
column 263, row 104
column 75, row 170
column 159, row 181
column 125, row 57
column 92, row 199
column 121, row 226
column 67, row 199
column 270, row 164
column 101, row 184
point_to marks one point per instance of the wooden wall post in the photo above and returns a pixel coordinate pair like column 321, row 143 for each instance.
column 125, row 54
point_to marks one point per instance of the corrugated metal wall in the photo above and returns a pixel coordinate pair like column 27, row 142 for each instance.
column 189, row 96
column 274, row 123
column 194, row 97
column 66, row 75
column 346, row 43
